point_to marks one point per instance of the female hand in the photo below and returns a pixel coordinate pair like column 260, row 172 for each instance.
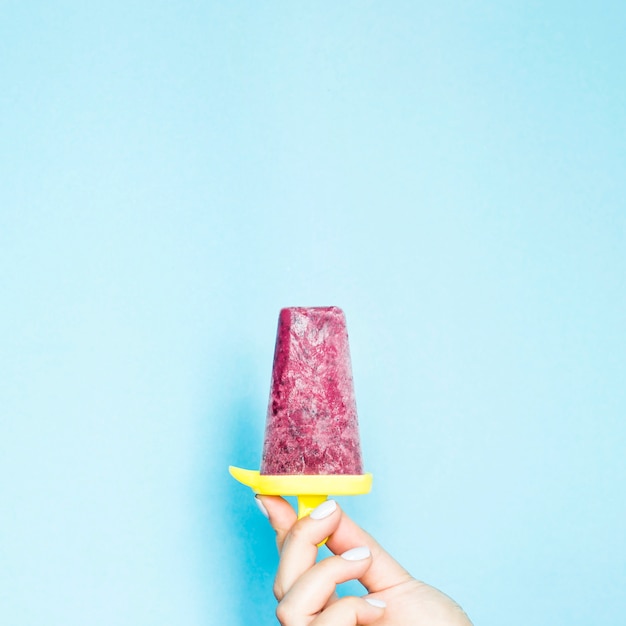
column 305, row 590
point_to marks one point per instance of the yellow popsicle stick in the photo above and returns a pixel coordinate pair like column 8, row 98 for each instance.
column 307, row 503
column 310, row 489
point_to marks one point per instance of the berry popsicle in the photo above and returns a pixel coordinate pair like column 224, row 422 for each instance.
column 311, row 446
column 311, row 425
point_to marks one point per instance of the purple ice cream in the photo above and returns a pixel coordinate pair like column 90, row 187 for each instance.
column 312, row 425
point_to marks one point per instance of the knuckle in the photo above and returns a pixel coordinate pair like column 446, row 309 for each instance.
column 298, row 532
column 284, row 613
column 279, row 592
column 350, row 603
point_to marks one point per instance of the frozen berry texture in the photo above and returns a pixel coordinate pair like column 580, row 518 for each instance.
column 312, row 425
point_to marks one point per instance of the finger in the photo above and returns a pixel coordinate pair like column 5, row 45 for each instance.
column 280, row 514
column 385, row 571
column 351, row 611
column 312, row 591
column 299, row 548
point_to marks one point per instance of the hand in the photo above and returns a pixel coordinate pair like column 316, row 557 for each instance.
column 305, row 590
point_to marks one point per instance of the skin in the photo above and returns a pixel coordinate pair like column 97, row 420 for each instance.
column 305, row 590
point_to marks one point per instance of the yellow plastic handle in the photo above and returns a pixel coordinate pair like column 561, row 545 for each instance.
column 307, row 503
column 307, row 484
column 307, row 487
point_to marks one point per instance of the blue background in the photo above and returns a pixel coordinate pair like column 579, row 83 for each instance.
column 172, row 174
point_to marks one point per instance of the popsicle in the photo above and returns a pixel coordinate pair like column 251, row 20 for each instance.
column 312, row 445
column 311, row 425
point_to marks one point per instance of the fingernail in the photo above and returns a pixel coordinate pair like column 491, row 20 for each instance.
column 356, row 554
column 376, row 602
column 261, row 507
column 324, row 510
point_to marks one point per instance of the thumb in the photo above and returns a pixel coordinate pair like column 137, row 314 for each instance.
column 384, row 572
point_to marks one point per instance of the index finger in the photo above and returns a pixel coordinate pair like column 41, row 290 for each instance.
column 384, row 572
column 281, row 517
column 298, row 543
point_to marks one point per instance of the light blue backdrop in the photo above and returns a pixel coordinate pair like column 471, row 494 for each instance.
column 172, row 174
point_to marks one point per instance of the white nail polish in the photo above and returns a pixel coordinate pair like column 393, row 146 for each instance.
column 261, row 507
column 356, row 554
column 380, row 604
column 324, row 510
